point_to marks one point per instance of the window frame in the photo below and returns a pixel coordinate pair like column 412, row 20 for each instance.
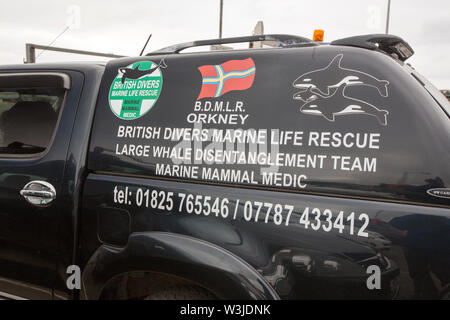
column 37, row 80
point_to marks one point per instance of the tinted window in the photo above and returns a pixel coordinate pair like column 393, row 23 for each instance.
column 435, row 93
column 27, row 119
column 289, row 119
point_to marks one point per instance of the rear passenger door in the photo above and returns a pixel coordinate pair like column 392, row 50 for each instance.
column 37, row 110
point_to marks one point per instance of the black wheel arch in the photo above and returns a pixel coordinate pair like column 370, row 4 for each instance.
column 212, row 267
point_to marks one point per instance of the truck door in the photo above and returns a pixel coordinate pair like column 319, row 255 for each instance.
column 319, row 166
column 37, row 110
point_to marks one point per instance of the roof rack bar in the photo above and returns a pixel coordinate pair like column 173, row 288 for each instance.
column 30, row 49
column 282, row 39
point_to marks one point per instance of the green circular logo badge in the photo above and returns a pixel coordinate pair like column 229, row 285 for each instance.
column 135, row 89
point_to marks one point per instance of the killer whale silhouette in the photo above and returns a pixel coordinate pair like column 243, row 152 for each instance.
column 339, row 104
column 129, row 73
column 333, row 75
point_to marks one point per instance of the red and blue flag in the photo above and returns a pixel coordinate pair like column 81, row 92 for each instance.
column 222, row 78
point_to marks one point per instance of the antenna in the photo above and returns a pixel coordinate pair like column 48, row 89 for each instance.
column 59, row 35
column 145, row 45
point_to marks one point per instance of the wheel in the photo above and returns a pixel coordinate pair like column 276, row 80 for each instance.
column 181, row 292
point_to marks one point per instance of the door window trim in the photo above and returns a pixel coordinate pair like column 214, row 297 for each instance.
column 36, row 80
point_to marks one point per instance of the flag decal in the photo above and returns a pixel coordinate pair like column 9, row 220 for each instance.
column 228, row 76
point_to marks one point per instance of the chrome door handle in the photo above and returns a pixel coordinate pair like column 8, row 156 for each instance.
column 38, row 193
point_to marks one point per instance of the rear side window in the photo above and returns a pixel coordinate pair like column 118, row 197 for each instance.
column 434, row 92
column 332, row 121
column 28, row 116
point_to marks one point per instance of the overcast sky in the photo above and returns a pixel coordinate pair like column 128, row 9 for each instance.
column 122, row 27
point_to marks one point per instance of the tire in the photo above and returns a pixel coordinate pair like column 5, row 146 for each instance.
column 181, row 292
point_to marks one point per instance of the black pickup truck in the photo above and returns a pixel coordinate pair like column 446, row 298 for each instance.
column 303, row 171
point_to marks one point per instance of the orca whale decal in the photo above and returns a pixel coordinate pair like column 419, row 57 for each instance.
column 323, row 92
column 129, row 73
column 336, row 104
column 333, row 75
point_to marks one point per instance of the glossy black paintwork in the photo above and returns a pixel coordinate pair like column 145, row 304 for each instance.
column 76, row 173
column 410, row 237
column 210, row 266
column 410, row 229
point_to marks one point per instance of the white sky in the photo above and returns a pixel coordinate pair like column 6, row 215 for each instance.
column 122, row 27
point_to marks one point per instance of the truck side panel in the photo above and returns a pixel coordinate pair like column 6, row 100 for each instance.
column 323, row 168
